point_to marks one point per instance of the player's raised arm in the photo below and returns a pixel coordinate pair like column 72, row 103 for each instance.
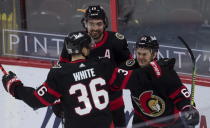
column 44, row 95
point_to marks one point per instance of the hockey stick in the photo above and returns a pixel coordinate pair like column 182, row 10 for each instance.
column 192, row 102
column 3, row 70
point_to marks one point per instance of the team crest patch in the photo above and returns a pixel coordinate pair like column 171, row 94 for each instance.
column 119, row 36
column 149, row 104
column 130, row 62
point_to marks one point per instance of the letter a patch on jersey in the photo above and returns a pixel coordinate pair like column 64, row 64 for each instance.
column 107, row 53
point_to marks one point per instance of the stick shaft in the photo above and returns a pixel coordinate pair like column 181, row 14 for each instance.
column 3, row 70
column 192, row 102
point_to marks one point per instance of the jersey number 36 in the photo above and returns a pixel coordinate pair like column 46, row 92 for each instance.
column 95, row 94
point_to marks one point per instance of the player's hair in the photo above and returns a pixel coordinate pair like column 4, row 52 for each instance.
column 75, row 41
column 95, row 12
column 147, row 42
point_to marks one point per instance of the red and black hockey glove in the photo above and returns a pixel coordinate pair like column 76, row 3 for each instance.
column 167, row 62
column 10, row 82
column 190, row 116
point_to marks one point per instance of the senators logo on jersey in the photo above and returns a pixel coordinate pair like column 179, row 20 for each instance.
column 149, row 104
column 119, row 36
column 130, row 62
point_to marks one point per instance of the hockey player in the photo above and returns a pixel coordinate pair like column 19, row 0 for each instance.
column 146, row 51
column 159, row 98
column 109, row 44
column 112, row 45
column 81, row 85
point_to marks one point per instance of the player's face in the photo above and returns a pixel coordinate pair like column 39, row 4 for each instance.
column 86, row 51
column 95, row 28
column 144, row 56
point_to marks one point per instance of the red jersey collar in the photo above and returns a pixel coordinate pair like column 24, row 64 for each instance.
column 103, row 40
column 77, row 61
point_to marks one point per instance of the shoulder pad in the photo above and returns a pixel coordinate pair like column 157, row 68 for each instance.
column 119, row 36
column 57, row 66
column 167, row 62
column 55, row 69
column 130, row 62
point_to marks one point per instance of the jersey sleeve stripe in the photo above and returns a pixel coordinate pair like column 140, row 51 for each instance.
column 54, row 93
column 178, row 100
column 125, row 81
column 175, row 93
column 117, row 103
column 42, row 100
column 51, row 91
column 114, row 75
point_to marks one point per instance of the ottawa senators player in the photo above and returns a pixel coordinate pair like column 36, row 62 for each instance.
column 159, row 98
column 81, row 85
column 109, row 44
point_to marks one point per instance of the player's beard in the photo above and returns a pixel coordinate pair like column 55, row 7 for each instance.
column 96, row 34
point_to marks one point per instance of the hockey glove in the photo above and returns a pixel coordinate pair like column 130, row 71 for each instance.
column 167, row 62
column 190, row 116
column 10, row 82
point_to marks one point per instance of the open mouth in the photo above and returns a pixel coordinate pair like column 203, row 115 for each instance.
column 142, row 62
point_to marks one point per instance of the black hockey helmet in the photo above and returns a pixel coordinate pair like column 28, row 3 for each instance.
column 75, row 41
column 147, row 42
column 95, row 12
